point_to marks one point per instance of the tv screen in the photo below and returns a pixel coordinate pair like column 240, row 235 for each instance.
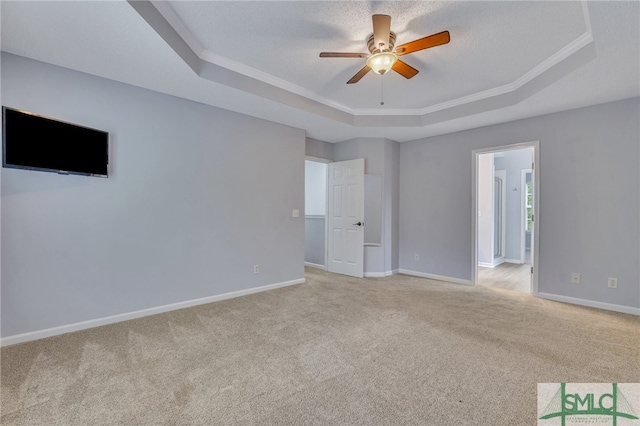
column 39, row 143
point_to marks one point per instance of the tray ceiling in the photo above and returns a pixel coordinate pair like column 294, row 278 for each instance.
column 506, row 60
column 283, row 40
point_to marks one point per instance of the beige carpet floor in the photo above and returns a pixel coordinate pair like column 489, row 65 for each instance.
column 335, row 350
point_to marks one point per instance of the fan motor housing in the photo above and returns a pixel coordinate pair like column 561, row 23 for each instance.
column 374, row 49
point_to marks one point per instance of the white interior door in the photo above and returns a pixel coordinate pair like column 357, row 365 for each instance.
column 345, row 218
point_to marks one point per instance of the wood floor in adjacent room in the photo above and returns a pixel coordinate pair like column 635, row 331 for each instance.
column 398, row 350
column 508, row 276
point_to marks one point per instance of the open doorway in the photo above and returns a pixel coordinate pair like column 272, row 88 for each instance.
column 315, row 208
column 504, row 216
column 338, row 197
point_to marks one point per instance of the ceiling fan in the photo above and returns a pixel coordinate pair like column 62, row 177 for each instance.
column 383, row 57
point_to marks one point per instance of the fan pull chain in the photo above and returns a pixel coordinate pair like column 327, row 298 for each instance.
column 382, row 91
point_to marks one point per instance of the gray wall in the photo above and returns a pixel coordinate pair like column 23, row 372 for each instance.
column 315, row 188
column 589, row 200
column 319, row 149
column 314, row 239
column 513, row 162
column 196, row 196
column 392, row 203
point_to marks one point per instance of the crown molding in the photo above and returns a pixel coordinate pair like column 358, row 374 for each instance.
column 207, row 56
column 223, row 70
column 174, row 20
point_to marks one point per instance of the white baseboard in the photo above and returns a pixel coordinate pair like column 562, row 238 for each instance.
column 315, row 265
column 380, row 274
column 486, row 265
column 518, row 261
column 436, row 277
column 591, row 303
column 63, row 329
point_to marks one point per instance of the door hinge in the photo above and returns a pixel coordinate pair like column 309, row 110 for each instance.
column 533, row 218
column 533, row 166
column 532, row 269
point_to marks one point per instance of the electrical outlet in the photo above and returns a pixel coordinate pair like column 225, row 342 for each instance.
column 575, row 278
column 612, row 282
column 417, row 257
column 295, row 213
column 256, row 269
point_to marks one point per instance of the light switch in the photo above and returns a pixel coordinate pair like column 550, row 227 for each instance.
column 295, row 213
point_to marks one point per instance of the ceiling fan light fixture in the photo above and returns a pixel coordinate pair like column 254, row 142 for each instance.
column 382, row 62
column 384, row 53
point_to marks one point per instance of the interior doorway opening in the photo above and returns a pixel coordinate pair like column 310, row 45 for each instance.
column 315, row 212
column 504, row 225
column 334, row 215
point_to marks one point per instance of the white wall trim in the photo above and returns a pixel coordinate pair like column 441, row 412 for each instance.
column 380, row 274
column 317, row 159
column 518, row 261
column 486, row 264
column 435, row 277
column 590, row 303
column 502, row 175
column 63, row 329
column 315, row 265
column 523, row 212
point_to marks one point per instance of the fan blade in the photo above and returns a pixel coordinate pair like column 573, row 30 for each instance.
column 356, row 78
column 381, row 30
column 423, row 43
column 343, row 55
column 404, row 69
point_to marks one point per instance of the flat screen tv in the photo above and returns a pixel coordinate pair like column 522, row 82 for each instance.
column 30, row 141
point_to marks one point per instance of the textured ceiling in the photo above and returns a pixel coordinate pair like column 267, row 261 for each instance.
column 506, row 60
column 486, row 48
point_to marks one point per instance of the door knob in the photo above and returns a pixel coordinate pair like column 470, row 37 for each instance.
column 359, row 224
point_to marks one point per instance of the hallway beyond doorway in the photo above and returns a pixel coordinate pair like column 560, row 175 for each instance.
column 505, row 200
column 508, row 276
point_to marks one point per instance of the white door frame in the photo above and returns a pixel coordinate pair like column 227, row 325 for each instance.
column 523, row 214
column 502, row 175
column 536, row 206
